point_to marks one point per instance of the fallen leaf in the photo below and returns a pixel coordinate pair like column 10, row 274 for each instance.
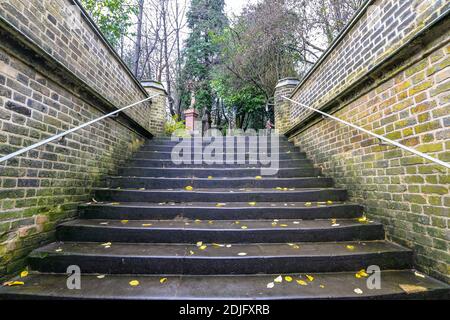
column 104, row 223
column 198, row 221
column 142, row 189
column 100, row 276
column 278, row 279
column 237, row 222
column 335, row 225
column 203, row 247
column 308, row 204
column 310, row 278
column 162, row 280
column 115, row 203
column 228, row 245
column 252, row 204
column 13, row 283
column 418, row 274
column 244, row 227
column 361, row 274
column 283, row 225
column 219, row 205
column 134, row 283
column 350, row 247
column 210, row 178
column 363, row 219
column 107, row 244
column 210, row 222
column 296, row 222
column 301, row 282
column 322, row 286
column 24, row 274
column 59, row 250
column 124, row 221
column 329, row 202
column 358, row 291
column 409, row 288
column 258, row 177
column 270, row 285
column 242, row 254
column 147, row 225
column 199, row 244
column 288, row 278
column 191, row 253
column 189, row 188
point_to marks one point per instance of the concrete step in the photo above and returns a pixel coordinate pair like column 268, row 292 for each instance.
column 211, row 211
column 218, row 231
column 221, row 195
column 327, row 286
column 205, row 183
column 266, row 258
column 170, row 164
column 223, row 148
column 215, row 172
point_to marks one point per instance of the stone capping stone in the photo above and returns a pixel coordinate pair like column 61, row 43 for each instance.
column 99, row 33
column 287, row 82
column 154, row 85
column 30, row 53
column 437, row 27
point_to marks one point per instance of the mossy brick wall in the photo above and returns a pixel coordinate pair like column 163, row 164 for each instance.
column 408, row 102
column 43, row 67
column 57, row 26
column 384, row 27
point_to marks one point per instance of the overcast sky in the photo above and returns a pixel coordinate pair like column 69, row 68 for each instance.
column 235, row 6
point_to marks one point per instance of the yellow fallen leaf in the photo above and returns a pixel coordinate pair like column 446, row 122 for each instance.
column 210, row 222
column 322, row 286
column 278, row 279
column 244, row 227
column 329, row 202
column 124, row 221
column 191, row 253
column 237, row 222
column 142, row 189
column 134, row 283
column 219, row 205
column 162, row 280
column 301, row 282
column 198, row 221
column 361, row 274
column 242, row 254
column 252, row 204
column 115, row 203
column 13, row 283
column 363, row 219
column 409, row 288
column 210, row 177
column 24, row 274
column 203, row 247
column 350, row 247
column 295, row 246
column 310, row 278
column 59, row 250
column 107, row 244
column 270, row 285
column 217, row 245
column 418, row 274
column 101, row 276
column 279, row 188
column 283, row 225
column 308, row 204
column 189, row 188
column 258, row 177
column 199, row 244
column 147, row 225
column 288, row 278
column 274, row 224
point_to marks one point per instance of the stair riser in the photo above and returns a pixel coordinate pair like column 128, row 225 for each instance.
column 222, row 149
column 158, row 197
column 227, row 173
column 246, row 143
column 123, row 235
column 164, row 183
column 168, row 213
column 215, row 266
column 168, row 156
column 170, row 164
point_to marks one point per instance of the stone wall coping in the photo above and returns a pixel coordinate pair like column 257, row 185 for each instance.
column 99, row 33
column 362, row 10
column 154, row 85
column 287, row 82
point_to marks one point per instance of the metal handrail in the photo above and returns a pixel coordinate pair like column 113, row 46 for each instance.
column 65, row 133
column 394, row 143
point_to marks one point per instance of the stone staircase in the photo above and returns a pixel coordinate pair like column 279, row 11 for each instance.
column 229, row 237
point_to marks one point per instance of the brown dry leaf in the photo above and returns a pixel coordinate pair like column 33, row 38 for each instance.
column 409, row 288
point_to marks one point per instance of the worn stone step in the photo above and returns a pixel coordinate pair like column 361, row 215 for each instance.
column 204, row 183
column 170, row 164
column 168, row 155
column 215, row 172
column 223, row 148
column 218, row 231
column 220, row 195
column 207, row 141
column 211, row 211
column 327, row 286
column 265, row 258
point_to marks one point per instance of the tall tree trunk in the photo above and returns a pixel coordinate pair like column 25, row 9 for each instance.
column 137, row 51
column 164, row 13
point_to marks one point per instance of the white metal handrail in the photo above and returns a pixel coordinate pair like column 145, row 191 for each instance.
column 65, row 133
column 394, row 143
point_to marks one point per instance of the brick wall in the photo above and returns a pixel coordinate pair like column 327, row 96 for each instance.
column 159, row 107
column 53, row 78
column 406, row 99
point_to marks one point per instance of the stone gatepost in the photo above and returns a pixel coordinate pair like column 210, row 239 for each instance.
column 284, row 88
column 191, row 117
column 158, row 113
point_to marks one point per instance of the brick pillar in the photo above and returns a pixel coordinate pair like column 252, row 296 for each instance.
column 191, row 120
column 158, row 112
column 285, row 87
